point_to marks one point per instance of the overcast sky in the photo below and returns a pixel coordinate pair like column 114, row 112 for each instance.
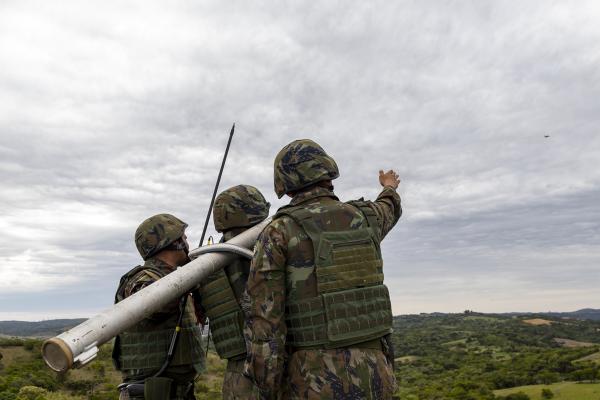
column 111, row 111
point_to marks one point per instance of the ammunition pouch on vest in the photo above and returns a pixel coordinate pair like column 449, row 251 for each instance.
column 225, row 315
column 352, row 306
column 157, row 388
column 147, row 349
column 144, row 347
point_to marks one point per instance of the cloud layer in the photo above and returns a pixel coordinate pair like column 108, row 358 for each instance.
column 113, row 111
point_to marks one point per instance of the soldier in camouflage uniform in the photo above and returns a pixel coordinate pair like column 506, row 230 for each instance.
column 236, row 209
column 319, row 315
column 140, row 352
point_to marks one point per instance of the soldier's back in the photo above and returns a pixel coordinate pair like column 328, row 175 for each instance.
column 359, row 370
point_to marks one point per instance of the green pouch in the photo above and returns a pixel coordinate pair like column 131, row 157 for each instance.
column 357, row 315
column 157, row 388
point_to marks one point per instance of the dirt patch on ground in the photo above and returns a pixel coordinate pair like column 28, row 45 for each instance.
column 538, row 321
column 595, row 358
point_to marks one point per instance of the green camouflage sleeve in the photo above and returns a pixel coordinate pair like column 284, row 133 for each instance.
column 138, row 282
column 265, row 330
column 388, row 210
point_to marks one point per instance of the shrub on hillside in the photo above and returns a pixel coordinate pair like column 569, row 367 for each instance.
column 11, row 341
column 515, row 396
column 547, row 394
column 29, row 344
column 32, row 393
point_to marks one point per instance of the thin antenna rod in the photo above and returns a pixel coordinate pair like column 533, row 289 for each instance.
column 212, row 201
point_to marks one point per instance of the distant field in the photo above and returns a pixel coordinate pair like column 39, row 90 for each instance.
column 455, row 342
column 592, row 357
column 562, row 391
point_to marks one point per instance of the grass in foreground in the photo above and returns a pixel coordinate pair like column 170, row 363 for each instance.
column 561, row 390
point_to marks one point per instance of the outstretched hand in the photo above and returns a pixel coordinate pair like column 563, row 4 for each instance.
column 389, row 178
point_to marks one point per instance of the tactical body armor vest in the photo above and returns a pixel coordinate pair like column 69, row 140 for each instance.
column 226, row 319
column 352, row 305
column 142, row 349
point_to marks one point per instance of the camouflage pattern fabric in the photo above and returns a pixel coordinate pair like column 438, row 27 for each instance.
column 344, row 373
column 157, row 232
column 300, row 164
column 153, row 270
column 339, row 374
column 239, row 206
column 235, row 384
column 238, row 271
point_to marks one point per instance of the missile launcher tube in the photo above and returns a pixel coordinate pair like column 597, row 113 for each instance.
column 79, row 345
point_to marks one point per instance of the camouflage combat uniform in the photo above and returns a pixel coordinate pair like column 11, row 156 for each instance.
column 140, row 351
column 235, row 384
column 283, row 270
column 236, row 209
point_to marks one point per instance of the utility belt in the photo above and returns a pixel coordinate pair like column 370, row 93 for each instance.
column 156, row 388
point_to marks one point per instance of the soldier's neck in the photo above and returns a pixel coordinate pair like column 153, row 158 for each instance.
column 171, row 258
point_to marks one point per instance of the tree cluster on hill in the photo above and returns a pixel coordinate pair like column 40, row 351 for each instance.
column 469, row 356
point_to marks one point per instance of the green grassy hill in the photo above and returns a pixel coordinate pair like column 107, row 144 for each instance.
column 469, row 356
column 438, row 357
column 42, row 329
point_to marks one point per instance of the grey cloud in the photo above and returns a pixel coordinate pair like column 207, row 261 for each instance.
column 107, row 106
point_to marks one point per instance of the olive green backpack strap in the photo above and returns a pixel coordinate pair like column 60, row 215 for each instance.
column 343, row 259
column 368, row 212
column 151, row 272
column 306, row 323
column 305, row 219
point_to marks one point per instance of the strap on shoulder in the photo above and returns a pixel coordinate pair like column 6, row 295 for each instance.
column 305, row 219
column 151, row 272
column 367, row 211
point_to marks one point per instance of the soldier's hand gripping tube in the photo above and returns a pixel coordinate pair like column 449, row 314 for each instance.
column 78, row 346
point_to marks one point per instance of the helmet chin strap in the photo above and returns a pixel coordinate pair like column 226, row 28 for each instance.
column 179, row 244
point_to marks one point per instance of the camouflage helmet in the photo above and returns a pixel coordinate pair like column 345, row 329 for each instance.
column 158, row 232
column 301, row 164
column 239, row 206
